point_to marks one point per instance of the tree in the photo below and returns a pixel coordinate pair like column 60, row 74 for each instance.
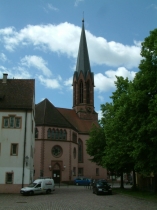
column 96, row 144
column 115, row 119
column 144, row 101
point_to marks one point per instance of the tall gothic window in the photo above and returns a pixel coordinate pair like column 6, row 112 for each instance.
column 49, row 133
column 64, row 135
column 75, row 102
column 81, row 92
column 88, row 92
column 36, row 133
column 80, row 151
column 53, row 134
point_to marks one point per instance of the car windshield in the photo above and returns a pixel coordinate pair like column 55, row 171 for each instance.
column 102, row 183
column 32, row 185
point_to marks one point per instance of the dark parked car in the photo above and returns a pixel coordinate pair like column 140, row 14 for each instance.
column 82, row 181
column 102, row 187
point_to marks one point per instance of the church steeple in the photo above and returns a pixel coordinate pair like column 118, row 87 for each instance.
column 83, row 82
column 83, row 63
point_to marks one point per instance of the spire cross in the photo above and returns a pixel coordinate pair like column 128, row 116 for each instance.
column 83, row 17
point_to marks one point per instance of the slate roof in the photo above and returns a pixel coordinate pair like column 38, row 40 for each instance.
column 47, row 114
column 17, row 93
column 83, row 63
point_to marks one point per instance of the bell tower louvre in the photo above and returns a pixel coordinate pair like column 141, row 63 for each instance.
column 83, row 83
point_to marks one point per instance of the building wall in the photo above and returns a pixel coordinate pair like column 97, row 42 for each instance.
column 67, row 161
column 14, row 164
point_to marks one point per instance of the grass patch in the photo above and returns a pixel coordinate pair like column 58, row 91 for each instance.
column 136, row 193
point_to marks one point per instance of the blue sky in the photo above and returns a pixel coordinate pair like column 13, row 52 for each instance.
column 39, row 40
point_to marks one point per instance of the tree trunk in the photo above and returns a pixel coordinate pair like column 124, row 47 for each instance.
column 134, row 180
column 155, row 183
column 121, row 180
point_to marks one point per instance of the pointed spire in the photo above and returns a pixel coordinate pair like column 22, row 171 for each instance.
column 83, row 63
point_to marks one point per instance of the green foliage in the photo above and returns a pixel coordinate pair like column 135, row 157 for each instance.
column 115, row 118
column 144, row 101
column 96, row 144
column 127, row 137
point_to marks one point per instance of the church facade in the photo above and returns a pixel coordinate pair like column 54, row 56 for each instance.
column 61, row 134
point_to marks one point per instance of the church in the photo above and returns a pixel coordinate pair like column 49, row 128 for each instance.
column 61, row 133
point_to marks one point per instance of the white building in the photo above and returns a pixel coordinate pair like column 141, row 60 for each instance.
column 17, row 112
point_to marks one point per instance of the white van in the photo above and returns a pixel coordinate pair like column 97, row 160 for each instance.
column 44, row 185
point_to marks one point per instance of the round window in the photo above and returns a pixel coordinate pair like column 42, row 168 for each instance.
column 57, row 151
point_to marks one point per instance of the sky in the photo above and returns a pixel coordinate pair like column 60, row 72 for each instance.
column 39, row 40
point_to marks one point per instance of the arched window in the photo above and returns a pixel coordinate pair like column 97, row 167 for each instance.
column 53, row 134
column 61, row 134
column 75, row 102
column 74, row 153
column 64, row 135
column 74, row 137
column 88, row 92
column 57, row 134
column 80, row 151
column 81, row 91
column 49, row 133
column 36, row 133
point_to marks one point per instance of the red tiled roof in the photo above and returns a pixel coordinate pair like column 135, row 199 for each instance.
column 17, row 93
column 83, row 126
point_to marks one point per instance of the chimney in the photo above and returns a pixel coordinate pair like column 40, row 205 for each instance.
column 4, row 78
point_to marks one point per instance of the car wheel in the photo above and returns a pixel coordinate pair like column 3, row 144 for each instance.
column 31, row 193
column 48, row 191
column 93, row 192
column 77, row 184
column 97, row 192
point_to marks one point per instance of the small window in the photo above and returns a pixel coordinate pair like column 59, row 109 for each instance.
column 17, row 122
column 9, row 178
column 80, row 171
column 97, row 171
column 6, row 122
column 74, row 153
column 74, row 137
column 74, row 171
column 14, row 149
column 53, row 134
column 64, row 135
column 49, row 133
column 11, row 122
column 36, row 133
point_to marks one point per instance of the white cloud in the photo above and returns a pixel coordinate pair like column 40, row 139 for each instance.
column 64, row 39
column 99, row 114
column 105, row 82
column 16, row 72
column 51, row 7
column 68, row 83
column 101, row 98
column 3, row 57
column 49, row 83
column 36, row 62
column 77, row 2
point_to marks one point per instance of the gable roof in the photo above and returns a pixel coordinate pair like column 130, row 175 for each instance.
column 82, row 126
column 47, row 114
column 17, row 93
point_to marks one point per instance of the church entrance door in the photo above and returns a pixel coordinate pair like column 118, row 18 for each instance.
column 56, row 176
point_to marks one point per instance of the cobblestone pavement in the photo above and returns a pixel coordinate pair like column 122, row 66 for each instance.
column 73, row 198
